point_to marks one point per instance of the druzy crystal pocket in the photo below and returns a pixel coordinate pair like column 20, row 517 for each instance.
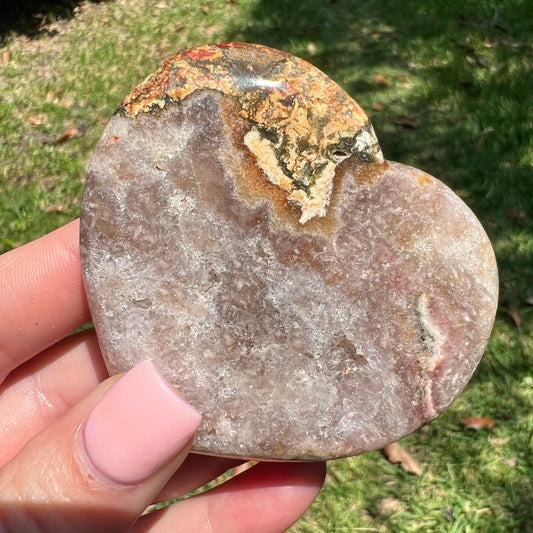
column 241, row 228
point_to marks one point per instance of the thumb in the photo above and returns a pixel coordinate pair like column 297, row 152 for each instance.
column 100, row 465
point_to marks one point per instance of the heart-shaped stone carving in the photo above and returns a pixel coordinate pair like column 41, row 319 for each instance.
column 241, row 228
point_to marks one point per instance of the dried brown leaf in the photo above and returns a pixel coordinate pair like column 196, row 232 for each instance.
column 378, row 106
column 37, row 120
column 380, row 79
column 513, row 214
column 515, row 315
column 396, row 454
column 57, row 208
column 408, row 122
column 69, row 133
column 478, row 422
column 6, row 57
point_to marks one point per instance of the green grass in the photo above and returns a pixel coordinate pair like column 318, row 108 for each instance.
column 460, row 71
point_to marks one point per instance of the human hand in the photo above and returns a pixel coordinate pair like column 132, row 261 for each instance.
column 80, row 451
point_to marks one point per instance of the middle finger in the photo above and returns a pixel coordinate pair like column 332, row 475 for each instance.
column 41, row 390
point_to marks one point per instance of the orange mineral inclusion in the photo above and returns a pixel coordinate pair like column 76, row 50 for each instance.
column 302, row 123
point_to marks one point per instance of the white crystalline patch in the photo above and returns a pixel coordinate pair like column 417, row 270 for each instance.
column 311, row 205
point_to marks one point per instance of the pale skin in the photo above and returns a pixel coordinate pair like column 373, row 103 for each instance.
column 49, row 383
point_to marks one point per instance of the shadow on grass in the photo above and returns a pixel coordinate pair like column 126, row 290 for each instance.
column 470, row 112
column 29, row 17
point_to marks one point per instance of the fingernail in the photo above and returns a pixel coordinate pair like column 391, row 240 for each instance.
column 139, row 425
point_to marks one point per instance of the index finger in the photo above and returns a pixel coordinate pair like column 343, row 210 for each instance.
column 42, row 298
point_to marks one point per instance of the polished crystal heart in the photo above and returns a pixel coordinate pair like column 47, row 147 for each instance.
column 241, row 228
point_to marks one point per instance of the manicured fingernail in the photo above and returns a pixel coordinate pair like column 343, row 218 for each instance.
column 139, row 425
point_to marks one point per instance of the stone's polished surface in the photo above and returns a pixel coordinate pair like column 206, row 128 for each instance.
column 241, row 228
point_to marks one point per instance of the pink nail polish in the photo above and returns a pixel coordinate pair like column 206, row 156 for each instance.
column 137, row 426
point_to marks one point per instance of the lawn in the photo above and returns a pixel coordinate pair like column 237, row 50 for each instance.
column 448, row 87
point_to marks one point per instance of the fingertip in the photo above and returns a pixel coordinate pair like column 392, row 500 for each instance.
column 269, row 497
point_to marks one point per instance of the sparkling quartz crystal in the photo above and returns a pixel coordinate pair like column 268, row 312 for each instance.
column 241, row 228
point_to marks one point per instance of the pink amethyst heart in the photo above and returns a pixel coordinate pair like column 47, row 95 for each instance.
column 241, row 228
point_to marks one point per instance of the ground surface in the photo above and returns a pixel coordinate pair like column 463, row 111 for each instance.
column 448, row 89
